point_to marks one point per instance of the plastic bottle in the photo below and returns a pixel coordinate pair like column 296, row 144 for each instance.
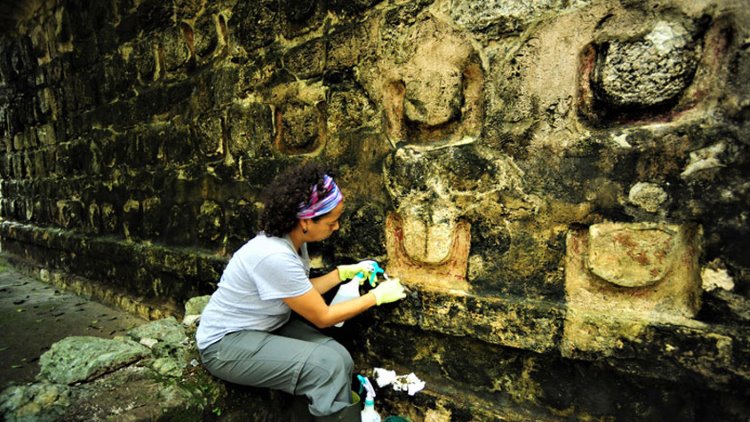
column 368, row 414
column 346, row 292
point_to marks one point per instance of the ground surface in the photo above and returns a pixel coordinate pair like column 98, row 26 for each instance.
column 34, row 315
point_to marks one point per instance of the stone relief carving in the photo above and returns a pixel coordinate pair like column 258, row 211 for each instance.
column 629, row 256
column 299, row 113
column 437, row 193
column 619, row 276
column 434, row 94
column 431, row 92
column 645, row 66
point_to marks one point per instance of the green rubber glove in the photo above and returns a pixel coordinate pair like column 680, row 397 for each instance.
column 389, row 291
column 349, row 271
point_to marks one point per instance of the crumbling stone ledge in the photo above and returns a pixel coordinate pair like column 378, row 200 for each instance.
column 146, row 279
column 673, row 349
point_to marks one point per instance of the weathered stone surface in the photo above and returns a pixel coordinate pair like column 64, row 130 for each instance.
column 431, row 91
column 631, row 256
column 635, row 256
column 429, row 238
column 195, row 305
column 704, row 160
column 446, row 270
column 648, row 196
column 510, row 16
column 649, row 71
column 166, row 330
column 34, row 402
column 299, row 117
column 307, row 60
column 80, row 359
column 653, row 274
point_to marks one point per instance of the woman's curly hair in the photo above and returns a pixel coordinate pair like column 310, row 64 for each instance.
column 287, row 191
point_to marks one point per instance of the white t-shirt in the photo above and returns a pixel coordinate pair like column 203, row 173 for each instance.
column 249, row 295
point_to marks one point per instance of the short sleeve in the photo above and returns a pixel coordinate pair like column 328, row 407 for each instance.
column 281, row 275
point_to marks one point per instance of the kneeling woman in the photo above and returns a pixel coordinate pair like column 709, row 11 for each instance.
column 245, row 334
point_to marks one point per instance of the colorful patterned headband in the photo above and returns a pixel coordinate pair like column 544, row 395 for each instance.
column 318, row 205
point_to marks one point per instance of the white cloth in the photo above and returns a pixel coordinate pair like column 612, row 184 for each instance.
column 409, row 383
column 249, row 296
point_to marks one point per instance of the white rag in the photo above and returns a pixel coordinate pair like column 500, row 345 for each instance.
column 409, row 383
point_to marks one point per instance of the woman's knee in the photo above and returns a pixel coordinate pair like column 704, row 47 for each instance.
column 341, row 351
column 333, row 361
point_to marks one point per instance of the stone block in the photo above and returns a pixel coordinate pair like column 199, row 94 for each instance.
column 18, row 141
column 205, row 36
column 300, row 118
column 132, row 218
column 153, row 217
column 622, row 277
column 153, row 15
column 16, row 162
column 507, row 16
column 46, row 134
column 40, row 163
column 250, row 129
column 5, row 167
column 166, row 330
column 224, row 86
column 78, row 359
column 174, row 48
column 506, row 321
column 253, row 24
column 210, row 222
column 658, row 257
column 435, row 98
column 628, row 73
column 69, row 213
column 300, row 128
column 29, row 164
column 648, row 196
column 47, row 103
column 207, row 132
column 307, row 60
column 144, row 60
column 194, row 307
column 346, row 46
column 6, row 209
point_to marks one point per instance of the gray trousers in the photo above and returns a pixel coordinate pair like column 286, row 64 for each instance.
column 296, row 358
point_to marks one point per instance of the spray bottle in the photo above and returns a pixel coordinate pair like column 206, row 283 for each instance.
column 348, row 291
column 368, row 413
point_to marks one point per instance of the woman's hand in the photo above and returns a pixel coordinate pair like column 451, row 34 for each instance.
column 350, row 271
column 388, row 291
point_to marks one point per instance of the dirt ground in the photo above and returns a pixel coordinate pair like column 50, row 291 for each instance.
column 34, row 315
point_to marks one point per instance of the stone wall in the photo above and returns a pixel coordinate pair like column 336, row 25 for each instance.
column 564, row 185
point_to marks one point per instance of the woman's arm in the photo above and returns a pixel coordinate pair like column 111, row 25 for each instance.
column 313, row 308
column 326, row 282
